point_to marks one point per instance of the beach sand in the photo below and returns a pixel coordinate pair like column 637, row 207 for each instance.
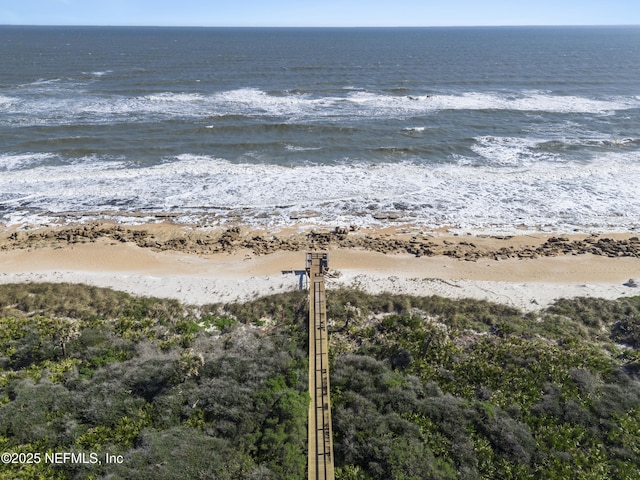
column 199, row 266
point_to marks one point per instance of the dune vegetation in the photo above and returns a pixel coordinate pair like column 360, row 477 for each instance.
column 422, row 388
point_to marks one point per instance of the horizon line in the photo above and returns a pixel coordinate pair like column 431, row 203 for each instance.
column 318, row 26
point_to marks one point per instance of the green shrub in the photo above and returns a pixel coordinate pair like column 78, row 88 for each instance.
column 421, row 387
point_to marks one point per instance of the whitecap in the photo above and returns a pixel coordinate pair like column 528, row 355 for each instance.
column 511, row 151
column 295, row 107
column 5, row 101
column 171, row 97
column 19, row 161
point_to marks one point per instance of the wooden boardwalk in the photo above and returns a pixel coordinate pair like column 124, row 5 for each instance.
column 320, row 433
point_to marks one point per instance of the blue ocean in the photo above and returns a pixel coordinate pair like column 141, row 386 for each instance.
column 475, row 129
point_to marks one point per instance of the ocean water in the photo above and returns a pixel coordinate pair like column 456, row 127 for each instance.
column 483, row 129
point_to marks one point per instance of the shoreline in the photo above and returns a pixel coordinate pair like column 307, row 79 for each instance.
column 199, row 266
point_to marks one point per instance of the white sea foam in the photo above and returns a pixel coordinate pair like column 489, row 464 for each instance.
column 4, row 100
column 15, row 161
column 415, row 129
column 98, row 73
column 167, row 97
column 533, row 101
column 293, row 107
column 508, row 151
column 46, row 81
column 298, row 148
column 599, row 195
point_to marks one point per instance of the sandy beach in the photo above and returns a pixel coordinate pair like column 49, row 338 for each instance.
column 199, row 266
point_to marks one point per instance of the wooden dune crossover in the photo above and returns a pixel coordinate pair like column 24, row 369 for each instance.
column 320, row 433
